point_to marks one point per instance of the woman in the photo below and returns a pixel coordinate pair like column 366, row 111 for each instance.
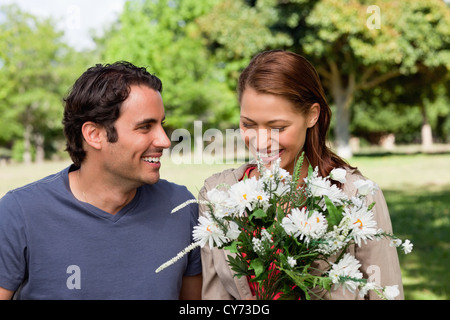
column 283, row 113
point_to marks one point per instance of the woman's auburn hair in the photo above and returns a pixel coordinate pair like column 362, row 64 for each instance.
column 291, row 76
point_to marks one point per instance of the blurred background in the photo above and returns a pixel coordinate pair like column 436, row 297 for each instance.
column 384, row 65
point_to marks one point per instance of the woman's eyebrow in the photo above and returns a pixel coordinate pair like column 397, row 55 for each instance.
column 268, row 122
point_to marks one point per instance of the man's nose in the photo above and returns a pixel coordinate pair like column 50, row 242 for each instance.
column 162, row 140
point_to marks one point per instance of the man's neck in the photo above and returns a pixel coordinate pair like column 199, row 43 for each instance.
column 90, row 187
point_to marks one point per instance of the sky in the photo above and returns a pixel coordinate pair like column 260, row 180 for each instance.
column 76, row 17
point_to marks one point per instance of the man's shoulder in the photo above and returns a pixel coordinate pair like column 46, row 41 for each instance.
column 167, row 192
column 166, row 186
column 37, row 188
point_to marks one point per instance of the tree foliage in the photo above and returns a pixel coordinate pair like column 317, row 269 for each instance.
column 33, row 78
column 164, row 36
column 384, row 64
column 356, row 45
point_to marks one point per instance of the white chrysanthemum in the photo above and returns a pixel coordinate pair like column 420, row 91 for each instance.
column 219, row 200
column 338, row 174
column 244, row 194
column 320, row 187
column 336, row 195
column 333, row 242
column 276, row 180
column 365, row 187
column 395, row 243
column 368, row 286
column 358, row 201
column 207, row 231
column 407, row 246
column 390, row 292
column 364, row 227
column 291, row 261
column 233, row 230
column 217, row 196
column 305, row 224
column 344, row 271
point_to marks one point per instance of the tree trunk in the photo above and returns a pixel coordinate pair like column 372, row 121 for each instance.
column 40, row 152
column 341, row 129
column 426, row 133
column 342, row 97
column 27, row 144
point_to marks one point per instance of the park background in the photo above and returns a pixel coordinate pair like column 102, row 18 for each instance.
column 384, row 65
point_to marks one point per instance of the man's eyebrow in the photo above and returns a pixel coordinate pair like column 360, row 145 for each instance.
column 149, row 121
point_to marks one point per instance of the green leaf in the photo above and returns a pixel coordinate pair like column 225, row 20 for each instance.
column 298, row 169
column 233, row 247
column 238, row 265
column 259, row 214
column 258, row 266
column 334, row 214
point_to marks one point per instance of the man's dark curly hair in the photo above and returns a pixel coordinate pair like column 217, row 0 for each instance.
column 97, row 96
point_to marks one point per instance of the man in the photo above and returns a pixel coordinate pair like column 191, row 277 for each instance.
column 100, row 228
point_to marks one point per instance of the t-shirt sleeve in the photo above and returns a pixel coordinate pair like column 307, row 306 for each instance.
column 194, row 266
column 12, row 243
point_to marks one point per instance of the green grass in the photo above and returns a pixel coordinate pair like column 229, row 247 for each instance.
column 417, row 191
column 416, row 187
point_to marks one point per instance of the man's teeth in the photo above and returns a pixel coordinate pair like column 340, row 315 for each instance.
column 151, row 159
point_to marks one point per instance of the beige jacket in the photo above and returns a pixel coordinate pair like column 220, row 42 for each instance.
column 379, row 261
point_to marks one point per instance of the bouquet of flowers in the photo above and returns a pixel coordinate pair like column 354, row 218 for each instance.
column 277, row 229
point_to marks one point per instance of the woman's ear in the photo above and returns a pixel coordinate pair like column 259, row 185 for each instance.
column 92, row 134
column 313, row 115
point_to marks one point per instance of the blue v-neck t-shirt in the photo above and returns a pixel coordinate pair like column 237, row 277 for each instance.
column 53, row 246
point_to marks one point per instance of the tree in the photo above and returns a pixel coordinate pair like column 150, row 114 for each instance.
column 164, row 36
column 32, row 81
column 356, row 45
column 235, row 30
column 356, row 53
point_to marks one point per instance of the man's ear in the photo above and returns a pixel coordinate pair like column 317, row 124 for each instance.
column 92, row 134
column 313, row 115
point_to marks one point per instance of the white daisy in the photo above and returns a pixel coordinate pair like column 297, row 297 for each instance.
column 243, row 195
column 364, row 226
column 207, row 231
column 345, row 271
column 305, row 224
column 390, row 292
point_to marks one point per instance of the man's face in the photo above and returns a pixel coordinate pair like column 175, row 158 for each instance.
column 135, row 157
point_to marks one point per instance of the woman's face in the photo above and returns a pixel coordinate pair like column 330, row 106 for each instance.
column 272, row 127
